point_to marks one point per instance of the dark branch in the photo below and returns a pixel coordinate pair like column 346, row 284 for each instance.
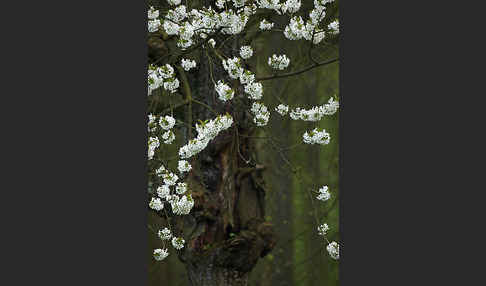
column 298, row 72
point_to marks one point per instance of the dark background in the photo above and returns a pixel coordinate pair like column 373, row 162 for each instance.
column 74, row 140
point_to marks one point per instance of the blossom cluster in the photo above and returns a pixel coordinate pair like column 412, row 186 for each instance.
column 261, row 113
column 224, row 91
column 316, row 113
column 246, row 52
column 160, row 254
column 165, row 234
column 309, row 30
column 184, row 166
column 322, row 229
column 162, row 76
column 317, row 136
column 206, row 132
column 153, row 143
column 333, row 249
column 279, row 62
column 153, row 22
column 187, row 65
column 178, row 242
column 324, row 194
column 266, row 25
column 282, row 109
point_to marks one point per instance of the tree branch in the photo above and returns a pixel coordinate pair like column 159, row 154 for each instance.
column 298, row 72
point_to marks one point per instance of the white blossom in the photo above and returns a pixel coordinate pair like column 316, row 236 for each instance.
column 334, row 27
column 188, row 64
column 233, row 67
column 322, row 229
column 247, row 77
column 282, row 109
column 261, row 114
column 224, row 91
column 156, row 204
column 153, row 25
column 151, row 123
column 152, row 13
column 178, row 242
column 295, row 29
column 153, row 143
column 333, row 249
column 168, row 137
column 317, row 136
column 220, row 3
column 291, row 6
column 160, row 170
column 165, row 234
column 184, row 166
column 212, row 42
column 163, row 191
column 182, row 205
column 278, row 62
column 265, row 25
column 167, row 122
column 246, row 52
column 160, row 254
column 181, row 188
column 206, row 132
column 170, row 178
column 315, row 113
column 171, row 28
column 174, row 2
column 171, row 84
column 254, row 90
column 324, row 194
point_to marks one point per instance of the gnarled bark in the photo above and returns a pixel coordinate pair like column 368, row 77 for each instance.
column 225, row 232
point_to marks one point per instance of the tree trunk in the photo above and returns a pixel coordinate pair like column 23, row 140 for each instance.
column 225, row 233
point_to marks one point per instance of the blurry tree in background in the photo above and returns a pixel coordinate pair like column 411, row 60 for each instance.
column 291, row 168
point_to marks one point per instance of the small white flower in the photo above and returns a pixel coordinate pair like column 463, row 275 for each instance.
column 171, row 84
column 324, row 194
column 181, row 188
column 168, row 137
column 317, row 136
column 167, row 122
column 163, row 191
column 152, row 13
column 160, row 254
column 174, row 2
column 184, row 166
column 178, row 242
column 322, row 229
column 333, row 249
column 265, row 25
column 165, row 234
column 212, row 42
column 188, row 64
column 280, row 62
column 254, row 90
column 224, row 91
column 334, row 27
column 160, row 170
column 246, row 52
column 291, row 6
column 282, row 109
column 156, row 204
column 170, row 178
column 153, row 25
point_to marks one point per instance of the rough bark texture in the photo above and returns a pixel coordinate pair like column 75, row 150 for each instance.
column 225, row 232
